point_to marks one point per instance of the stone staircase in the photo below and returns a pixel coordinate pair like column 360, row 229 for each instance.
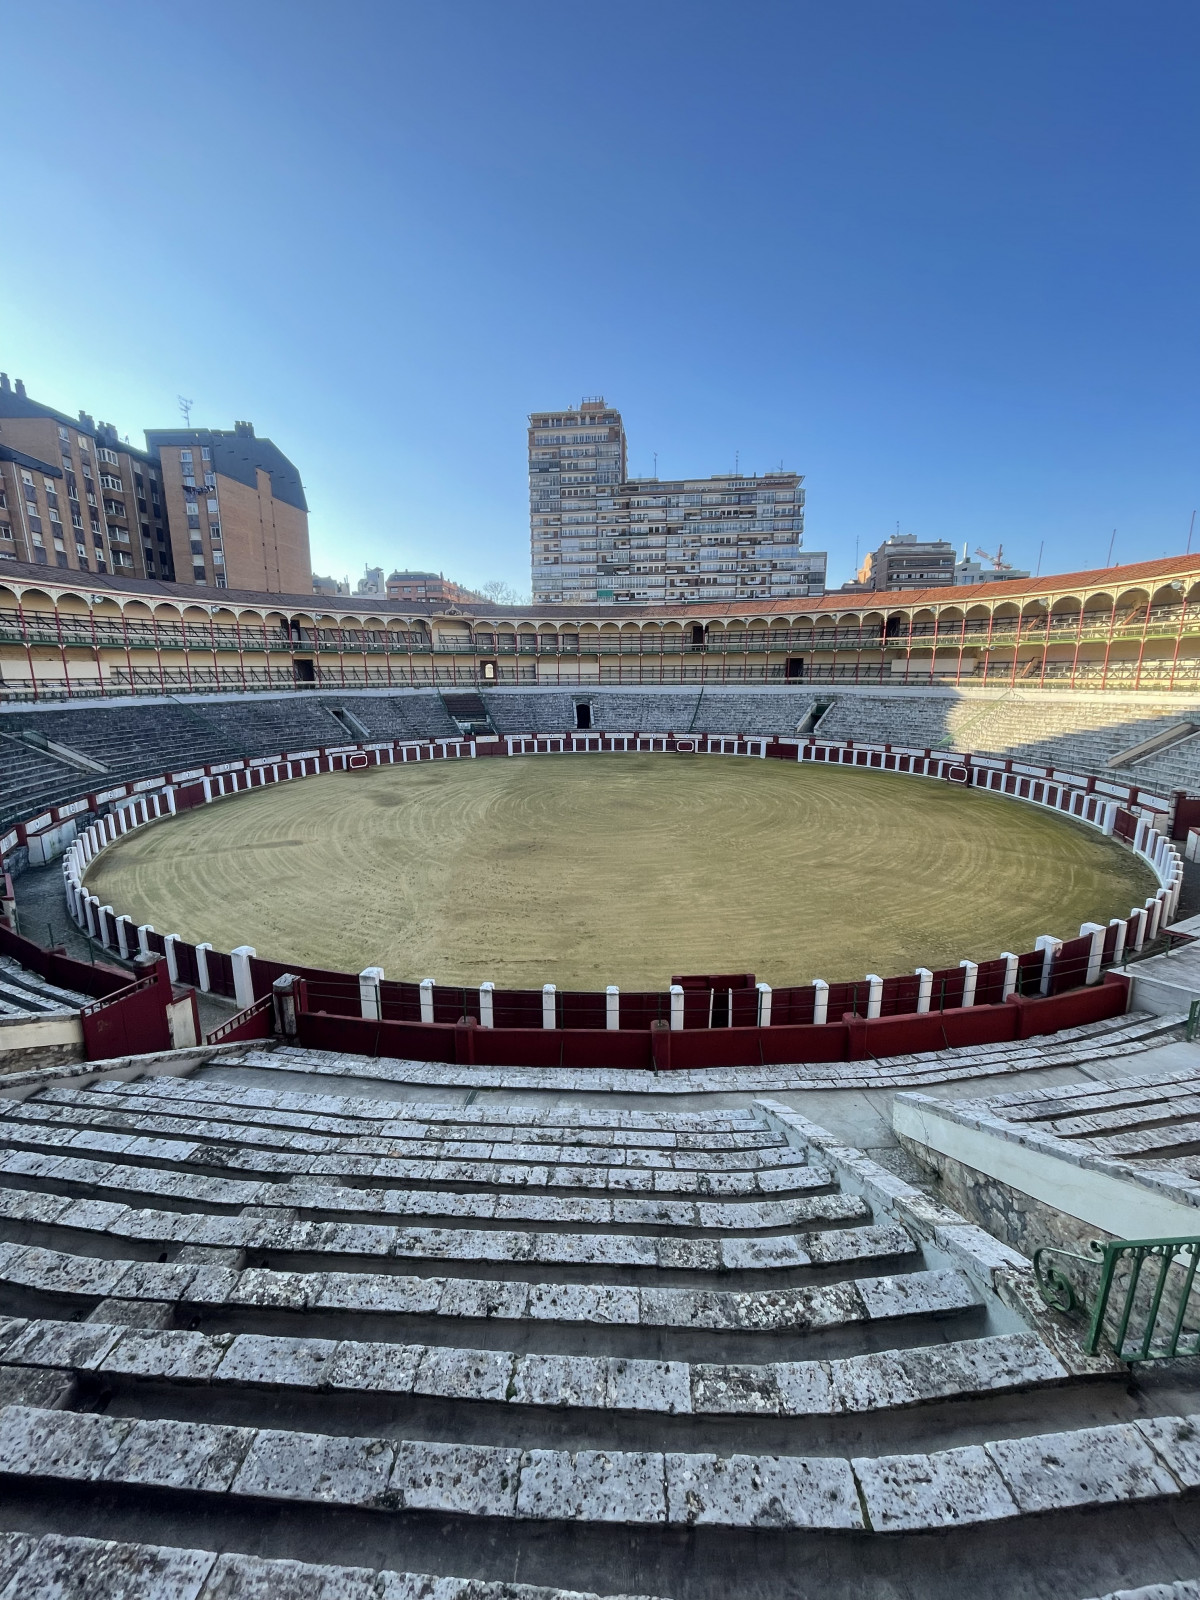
column 260, row 1338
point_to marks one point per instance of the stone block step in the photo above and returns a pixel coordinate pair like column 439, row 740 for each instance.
column 71, row 1568
column 109, row 1220
column 1002, row 1480
column 59, row 1173
column 41, row 1139
column 1070, row 1047
column 876, row 1381
column 197, row 1286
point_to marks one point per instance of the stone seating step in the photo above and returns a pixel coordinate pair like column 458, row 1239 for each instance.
column 874, row 1381
column 73, row 1568
column 197, row 1286
column 1001, row 1480
column 38, row 1113
column 112, row 1220
column 69, row 1173
column 346, row 1113
column 1071, row 1047
column 42, row 1142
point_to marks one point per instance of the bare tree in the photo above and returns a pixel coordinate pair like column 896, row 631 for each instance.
column 500, row 593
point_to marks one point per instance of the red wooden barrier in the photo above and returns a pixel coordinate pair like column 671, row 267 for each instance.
column 131, row 1022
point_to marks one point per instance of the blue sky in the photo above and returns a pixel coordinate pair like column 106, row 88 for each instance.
column 940, row 257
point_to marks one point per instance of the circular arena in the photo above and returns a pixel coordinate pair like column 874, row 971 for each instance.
column 618, row 869
column 379, row 1218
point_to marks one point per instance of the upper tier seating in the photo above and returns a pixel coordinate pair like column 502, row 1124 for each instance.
column 345, row 1338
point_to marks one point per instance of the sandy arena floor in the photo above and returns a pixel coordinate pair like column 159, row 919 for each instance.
column 619, row 869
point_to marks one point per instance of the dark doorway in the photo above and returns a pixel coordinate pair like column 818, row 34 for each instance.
column 583, row 714
column 306, row 671
column 795, row 667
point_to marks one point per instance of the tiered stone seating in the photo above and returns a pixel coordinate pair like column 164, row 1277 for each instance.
column 24, row 993
column 403, row 716
column 922, row 721
column 535, row 1349
column 30, row 779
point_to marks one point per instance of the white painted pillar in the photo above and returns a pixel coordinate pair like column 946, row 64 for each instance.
column 676, row 1007
column 1010, row 974
column 111, row 822
column 426, row 999
column 1122, row 928
column 1154, row 913
column 143, row 941
column 107, row 937
column 169, row 793
column 369, row 1004
column 874, row 994
column 970, row 978
column 202, row 966
column 170, row 940
column 208, row 794
column 1049, row 946
column 820, row 1000
column 924, row 988
column 120, row 924
column 612, row 1007
column 243, row 983
column 91, row 910
column 487, row 1014
column 122, row 816
column 764, row 1004
column 549, row 1018
column 1096, row 954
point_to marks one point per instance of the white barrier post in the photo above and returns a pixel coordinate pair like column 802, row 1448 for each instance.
column 1110, row 819
column 1122, row 927
column 202, row 966
column 122, row 925
column 207, row 782
column 426, row 999
column 924, row 988
column 144, row 930
column 91, row 910
column 676, row 1007
column 369, row 1004
column 106, row 935
column 970, row 978
column 169, row 792
column 820, row 1000
column 1049, row 946
column 170, row 940
column 486, row 1011
column 612, row 1006
column 764, row 1004
column 1096, row 953
column 243, row 983
column 874, row 994
column 1009, row 985
column 549, row 1018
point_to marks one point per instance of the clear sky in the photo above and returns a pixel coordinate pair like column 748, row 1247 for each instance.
column 940, row 256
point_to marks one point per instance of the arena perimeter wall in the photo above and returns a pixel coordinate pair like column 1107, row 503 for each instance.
column 1003, row 999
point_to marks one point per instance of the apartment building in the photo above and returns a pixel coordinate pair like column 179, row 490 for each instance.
column 906, row 562
column 598, row 537
column 427, row 586
column 75, row 495
column 237, row 511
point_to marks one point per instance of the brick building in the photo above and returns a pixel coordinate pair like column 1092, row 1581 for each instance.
column 237, row 510
column 75, row 495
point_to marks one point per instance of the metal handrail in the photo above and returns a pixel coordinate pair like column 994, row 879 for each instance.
column 1155, row 1301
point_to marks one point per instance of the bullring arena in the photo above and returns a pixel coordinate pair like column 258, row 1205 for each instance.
column 518, row 1105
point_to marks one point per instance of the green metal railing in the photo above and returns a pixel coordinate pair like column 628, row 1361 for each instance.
column 1142, row 1305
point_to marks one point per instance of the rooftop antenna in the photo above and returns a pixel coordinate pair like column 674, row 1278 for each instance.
column 1041, row 547
column 185, row 410
column 1191, row 531
column 656, row 463
column 1111, row 542
column 737, row 458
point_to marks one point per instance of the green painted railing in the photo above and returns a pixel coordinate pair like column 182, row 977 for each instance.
column 1142, row 1305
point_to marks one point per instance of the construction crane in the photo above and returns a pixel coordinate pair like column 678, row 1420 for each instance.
column 998, row 561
